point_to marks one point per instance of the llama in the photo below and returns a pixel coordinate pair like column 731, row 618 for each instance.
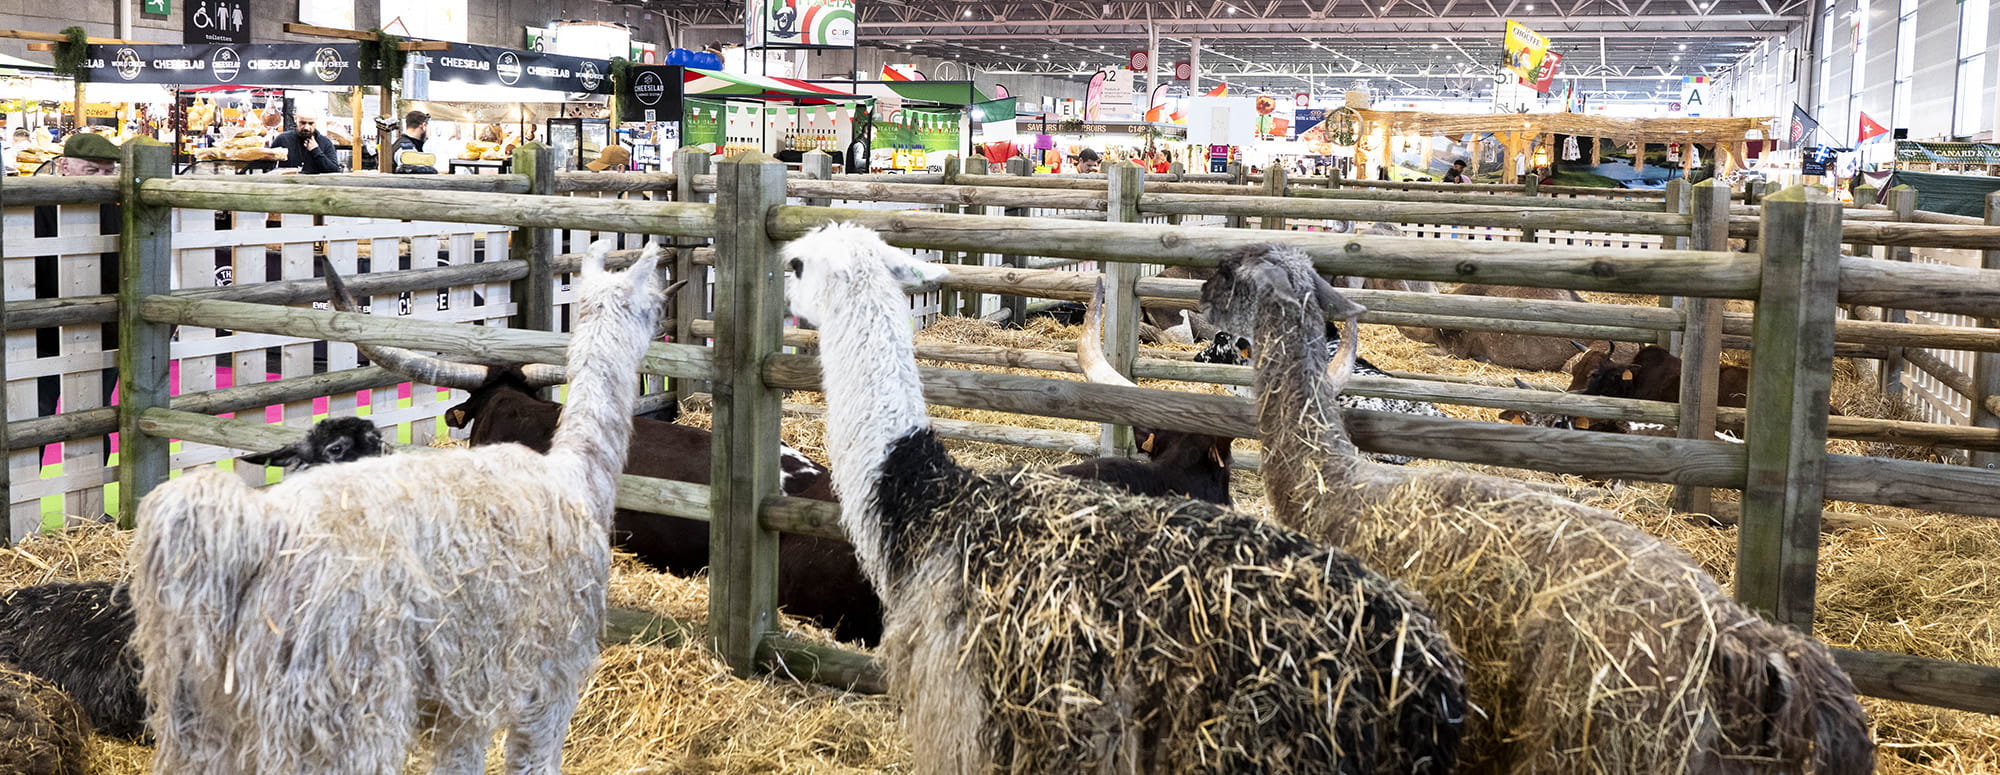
column 1228, row 348
column 1188, row 465
column 314, row 625
column 1593, row 647
column 818, row 578
column 1039, row 623
column 76, row 634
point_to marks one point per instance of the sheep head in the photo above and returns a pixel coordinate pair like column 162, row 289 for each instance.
column 1261, row 275
column 334, row 440
column 832, row 262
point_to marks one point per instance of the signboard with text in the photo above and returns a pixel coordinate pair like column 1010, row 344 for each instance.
column 267, row 64
column 464, row 63
column 225, row 22
column 652, row 93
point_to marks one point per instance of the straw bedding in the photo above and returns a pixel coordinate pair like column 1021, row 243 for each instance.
column 662, row 709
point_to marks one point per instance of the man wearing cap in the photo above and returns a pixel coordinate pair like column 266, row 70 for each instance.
column 306, row 148
column 85, row 153
column 613, row 157
column 408, row 154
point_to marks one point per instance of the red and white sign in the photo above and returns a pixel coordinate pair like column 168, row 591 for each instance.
column 1139, row 61
column 1183, row 71
column 1302, row 100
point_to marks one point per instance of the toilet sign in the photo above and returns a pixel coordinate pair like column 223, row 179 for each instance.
column 216, row 22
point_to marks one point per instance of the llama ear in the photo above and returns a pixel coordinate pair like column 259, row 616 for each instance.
column 913, row 273
column 593, row 259
column 1332, row 302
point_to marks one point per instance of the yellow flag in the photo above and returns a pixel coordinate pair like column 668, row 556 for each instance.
column 1525, row 49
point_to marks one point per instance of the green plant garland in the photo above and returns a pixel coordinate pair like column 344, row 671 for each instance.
column 1344, row 127
column 387, row 54
column 621, row 69
column 71, row 53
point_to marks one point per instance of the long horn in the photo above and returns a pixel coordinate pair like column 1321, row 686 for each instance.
column 1342, row 366
column 417, row 366
column 1090, row 348
column 542, row 375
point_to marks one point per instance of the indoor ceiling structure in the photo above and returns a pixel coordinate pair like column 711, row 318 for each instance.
column 1411, row 49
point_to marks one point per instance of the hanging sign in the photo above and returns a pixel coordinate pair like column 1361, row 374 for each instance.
column 216, row 21
column 652, row 93
column 1545, row 73
column 1525, row 49
column 465, row 63
column 1814, row 159
column 799, row 23
column 267, row 64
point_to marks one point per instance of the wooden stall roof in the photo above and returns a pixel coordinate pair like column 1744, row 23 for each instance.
column 1651, row 130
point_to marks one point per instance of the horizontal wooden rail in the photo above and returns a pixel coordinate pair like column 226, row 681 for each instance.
column 613, row 182
column 1610, row 221
column 945, row 195
column 35, row 190
column 1930, row 287
column 69, row 426
column 1938, row 682
column 1889, row 232
column 480, row 344
column 1672, row 272
column 103, row 308
column 519, row 210
column 484, row 184
column 1480, row 199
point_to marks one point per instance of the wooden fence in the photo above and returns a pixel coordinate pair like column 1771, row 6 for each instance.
column 1797, row 279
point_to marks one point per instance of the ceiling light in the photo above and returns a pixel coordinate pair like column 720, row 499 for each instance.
column 1232, row 10
column 1677, row 57
column 1434, row 46
column 968, row 13
column 1684, row 47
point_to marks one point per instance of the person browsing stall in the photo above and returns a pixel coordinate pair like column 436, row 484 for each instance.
column 307, row 148
column 614, row 157
column 408, row 153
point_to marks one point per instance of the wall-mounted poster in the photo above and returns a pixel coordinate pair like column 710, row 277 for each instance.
column 799, row 23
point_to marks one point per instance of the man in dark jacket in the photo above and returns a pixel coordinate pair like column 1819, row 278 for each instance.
column 306, row 148
column 410, row 157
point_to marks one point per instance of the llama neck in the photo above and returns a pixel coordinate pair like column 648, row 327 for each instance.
column 1308, row 457
column 874, row 397
column 595, row 431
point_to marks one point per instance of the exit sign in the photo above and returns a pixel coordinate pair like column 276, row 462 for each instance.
column 157, row 7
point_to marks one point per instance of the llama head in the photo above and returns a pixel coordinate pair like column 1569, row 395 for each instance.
column 1249, row 275
column 631, row 300
column 334, row 440
column 837, row 264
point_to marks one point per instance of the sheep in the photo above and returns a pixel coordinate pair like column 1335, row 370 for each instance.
column 1234, row 350
column 1594, row 647
column 315, row 625
column 1190, row 465
column 818, row 578
column 332, row 440
column 1038, row 623
column 42, row 732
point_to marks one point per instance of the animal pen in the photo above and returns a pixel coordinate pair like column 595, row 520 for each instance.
column 493, row 252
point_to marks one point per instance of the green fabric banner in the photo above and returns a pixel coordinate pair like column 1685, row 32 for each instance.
column 703, row 123
column 1950, row 194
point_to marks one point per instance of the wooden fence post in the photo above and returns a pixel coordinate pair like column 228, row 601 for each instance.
column 1275, row 184
column 969, row 304
column 1701, row 343
column 1177, row 170
column 1903, row 202
column 948, row 298
column 692, row 302
column 1790, row 381
column 1121, row 299
column 750, row 305
column 1239, row 175
column 145, row 350
column 1333, row 177
column 535, row 295
column 1678, row 193
column 1017, row 306
column 1986, row 366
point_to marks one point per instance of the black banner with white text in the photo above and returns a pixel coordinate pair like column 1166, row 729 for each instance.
column 465, row 63
column 264, row 64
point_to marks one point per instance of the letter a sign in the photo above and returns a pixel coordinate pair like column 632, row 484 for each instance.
column 1694, row 96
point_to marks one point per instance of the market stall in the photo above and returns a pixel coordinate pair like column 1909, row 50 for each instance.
column 485, row 100
column 728, row 113
column 1530, row 140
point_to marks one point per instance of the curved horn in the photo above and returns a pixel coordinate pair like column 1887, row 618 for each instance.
column 1579, row 346
column 1090, row 347
column 1342, row 365
column 1523, row 384
column 430, row 370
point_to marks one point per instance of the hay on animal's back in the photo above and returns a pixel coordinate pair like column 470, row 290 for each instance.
column 42, row 732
